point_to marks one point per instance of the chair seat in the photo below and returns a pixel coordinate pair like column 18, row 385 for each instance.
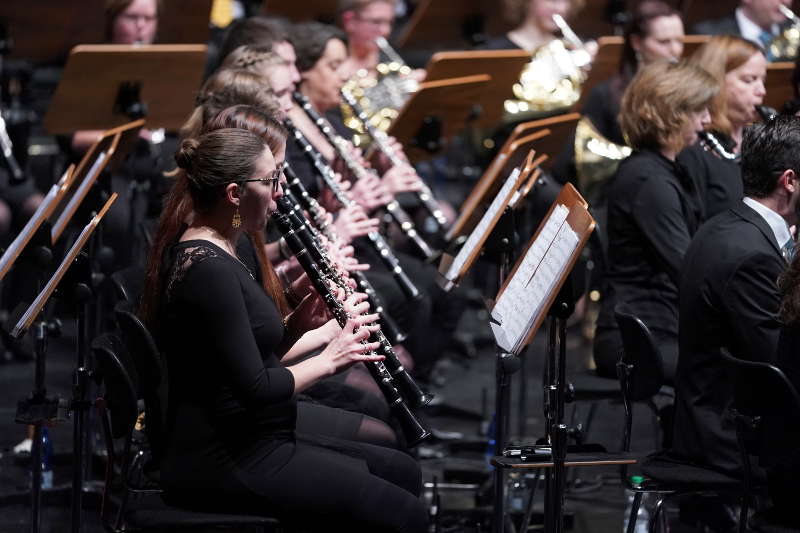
column 154, row 513
column 589, row 386
column 667, row 473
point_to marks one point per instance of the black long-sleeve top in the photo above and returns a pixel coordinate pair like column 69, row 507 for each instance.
column 719, row 181
column 230, row 398
column 653, row 211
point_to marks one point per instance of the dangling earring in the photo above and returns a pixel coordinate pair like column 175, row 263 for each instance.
column 237, row 220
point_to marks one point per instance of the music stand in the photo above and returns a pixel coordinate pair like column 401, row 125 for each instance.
column 38, row 409
column 107, row 152
column 531, row 291
column 51, row 200
column 321, row 10
column 548, row 135
column 441, row 24
column 503, row 66
column 60, row 25
column 436, row 112
column 107, row 85
column 606, row 63
column 779, row 85
column 452, row 269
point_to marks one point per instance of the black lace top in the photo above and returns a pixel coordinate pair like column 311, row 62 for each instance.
column 230, row 399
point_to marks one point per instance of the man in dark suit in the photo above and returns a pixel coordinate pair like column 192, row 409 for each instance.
column 757, row 20
column 728, row 292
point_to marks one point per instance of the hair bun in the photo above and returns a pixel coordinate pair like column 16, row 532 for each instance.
column 184, row 157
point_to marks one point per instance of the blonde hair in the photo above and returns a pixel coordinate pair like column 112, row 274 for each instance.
column 515, row 11
column 720, row 55
column 656, row 105
column 226, row 88
column 251, row 57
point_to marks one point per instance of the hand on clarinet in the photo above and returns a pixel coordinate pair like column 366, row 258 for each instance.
column 401, row 179
column 349, row 347
column 370, row 193
column 310, row 313
column 353, row 222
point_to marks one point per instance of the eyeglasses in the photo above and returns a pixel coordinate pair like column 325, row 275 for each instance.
column 275, row 176
column 376, row 21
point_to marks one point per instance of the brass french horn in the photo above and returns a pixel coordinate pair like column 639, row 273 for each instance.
column 596, row 158
column 552, row 79
column 381, row 96
column 786, row 44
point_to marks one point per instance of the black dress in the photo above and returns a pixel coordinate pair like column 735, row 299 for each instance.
column 231, row 442
column 719, row 181
column 653, row 211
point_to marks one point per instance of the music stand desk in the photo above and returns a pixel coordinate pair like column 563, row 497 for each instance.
column 779, row 84
column 503, row 66
column 87, row 97
column 450, row 100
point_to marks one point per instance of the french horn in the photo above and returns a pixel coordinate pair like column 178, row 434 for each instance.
column 596, row 157
column 553, row 78
column 787, row 43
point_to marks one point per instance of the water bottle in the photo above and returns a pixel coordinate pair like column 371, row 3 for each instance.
column 47, row 460
column 491, row 448
column 643, row 515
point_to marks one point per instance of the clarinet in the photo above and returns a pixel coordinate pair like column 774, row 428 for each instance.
column 405, row 383
column 375, row 238
column 413, row 430
column 713, row 145
column 393, row 331
column 381, row 141
column 339, row 144
column 766, row 112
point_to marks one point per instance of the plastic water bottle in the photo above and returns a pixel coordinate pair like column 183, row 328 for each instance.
column 643, row 515
column 47, row 460
column 491, row 448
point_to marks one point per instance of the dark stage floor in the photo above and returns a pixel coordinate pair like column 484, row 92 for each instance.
column 468, row 384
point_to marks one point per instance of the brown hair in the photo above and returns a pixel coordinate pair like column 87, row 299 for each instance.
column 656, row 104
column 114, row 8
column 250, row 57
column 515, row 11
column 273, row 133
column 226, row 88
column 358, row 5
column 720, row 55
column 638, row 23
column 207, row 164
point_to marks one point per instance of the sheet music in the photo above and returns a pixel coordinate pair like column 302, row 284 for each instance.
column 14, row 248
column 80, row 193
column 526, row 293
column 479, row 233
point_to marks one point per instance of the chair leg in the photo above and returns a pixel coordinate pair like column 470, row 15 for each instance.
column 743, row 512
column 658, row 515
column 637, row 501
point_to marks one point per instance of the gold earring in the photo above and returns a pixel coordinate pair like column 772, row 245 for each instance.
column 237, row 220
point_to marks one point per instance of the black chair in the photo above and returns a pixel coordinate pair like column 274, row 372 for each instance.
column 764, row 400
column 128, row 283
column 118, row 409
column 641, row 376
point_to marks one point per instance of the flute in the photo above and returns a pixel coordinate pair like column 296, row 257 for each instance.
column 376, row 239
column 343, row 151
column 412, row 428
column 381, row 141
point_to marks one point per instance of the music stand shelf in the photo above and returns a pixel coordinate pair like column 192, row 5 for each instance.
column 101, row 81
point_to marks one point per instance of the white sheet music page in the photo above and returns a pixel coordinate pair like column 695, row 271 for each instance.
column 526, row 293
column 479, row 233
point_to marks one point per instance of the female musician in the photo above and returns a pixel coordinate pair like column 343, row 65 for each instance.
column 232, row 443
column 320, row 51
column 654, row 31
column 537, row 27
column 653, row 208
column 740, row 68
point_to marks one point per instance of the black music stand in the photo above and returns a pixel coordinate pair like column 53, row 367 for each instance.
column 39, row 409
